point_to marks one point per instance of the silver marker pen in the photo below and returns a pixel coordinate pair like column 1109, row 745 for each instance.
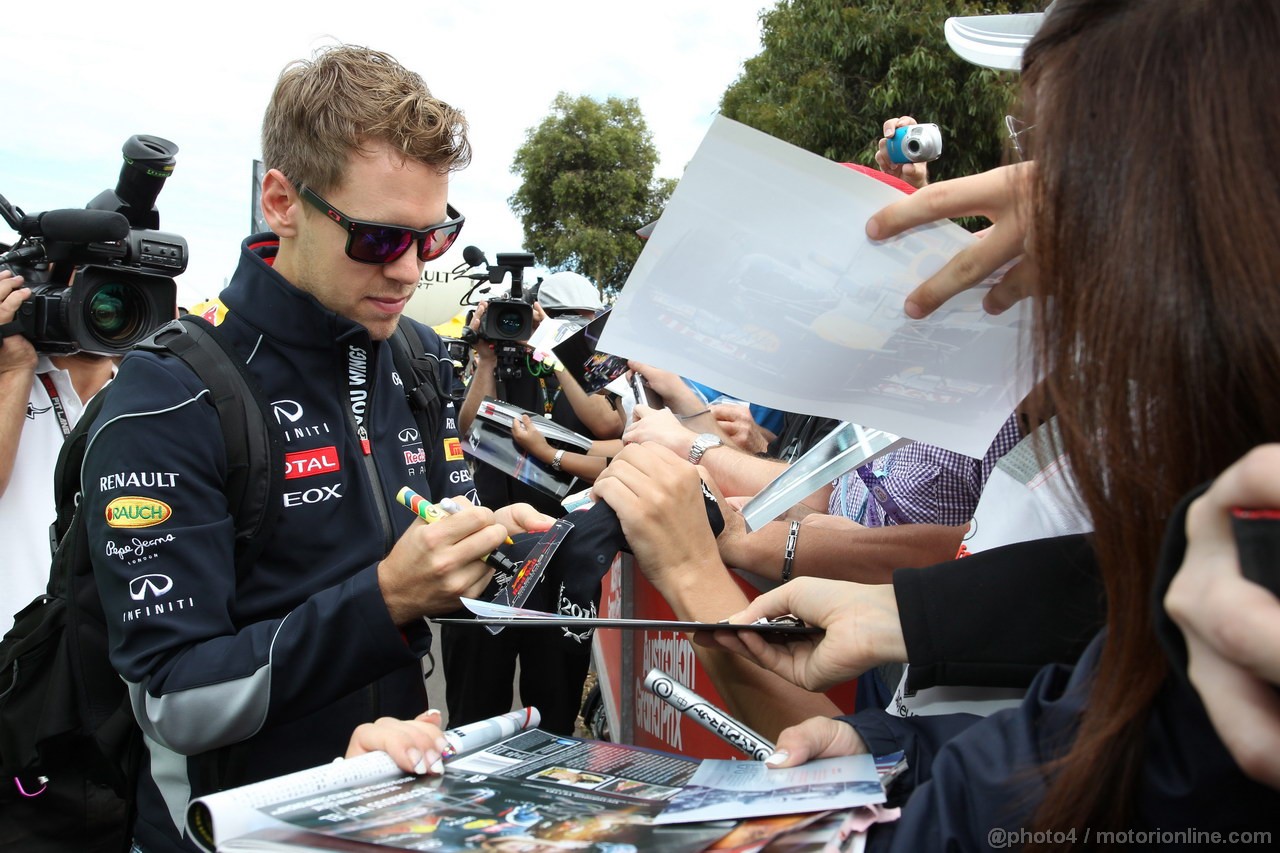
column 707, row 715
column 485, row 732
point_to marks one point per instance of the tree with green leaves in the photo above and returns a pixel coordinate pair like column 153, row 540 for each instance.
column 830, row 72
column 587, row 184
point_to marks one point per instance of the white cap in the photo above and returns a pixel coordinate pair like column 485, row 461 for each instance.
column 994, row 41
column 569, row 291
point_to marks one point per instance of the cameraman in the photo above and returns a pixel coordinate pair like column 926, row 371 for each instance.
column 41, row 399
column 479, row 668
column 538, row 389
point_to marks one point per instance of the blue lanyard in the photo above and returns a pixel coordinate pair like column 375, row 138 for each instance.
column 876, row 489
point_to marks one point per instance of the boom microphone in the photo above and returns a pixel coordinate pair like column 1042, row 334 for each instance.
column 473, row 256
column 76, row 226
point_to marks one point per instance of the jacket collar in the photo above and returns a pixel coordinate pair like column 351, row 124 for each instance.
column 270, row 303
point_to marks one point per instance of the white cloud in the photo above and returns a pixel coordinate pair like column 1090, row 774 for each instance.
column 84, row 77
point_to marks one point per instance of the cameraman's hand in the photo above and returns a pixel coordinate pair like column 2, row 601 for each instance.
column 16, row 352
column 1000, row 195
column 485, row 356
column 432, row 565
column 916, row 174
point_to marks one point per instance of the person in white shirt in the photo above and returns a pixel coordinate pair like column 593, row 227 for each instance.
column 41, row 399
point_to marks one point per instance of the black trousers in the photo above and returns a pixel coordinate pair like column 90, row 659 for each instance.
column 479, row 674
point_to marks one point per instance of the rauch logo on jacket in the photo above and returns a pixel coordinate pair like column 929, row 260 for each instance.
column 137, row 512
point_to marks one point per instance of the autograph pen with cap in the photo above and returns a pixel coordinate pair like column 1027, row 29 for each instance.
column 431, row 513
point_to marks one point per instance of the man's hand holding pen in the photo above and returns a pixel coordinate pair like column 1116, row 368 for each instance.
column 453, row 555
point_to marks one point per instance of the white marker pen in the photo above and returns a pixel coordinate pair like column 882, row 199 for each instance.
column 707, row 715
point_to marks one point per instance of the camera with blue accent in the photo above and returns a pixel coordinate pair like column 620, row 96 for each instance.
column 916, row 143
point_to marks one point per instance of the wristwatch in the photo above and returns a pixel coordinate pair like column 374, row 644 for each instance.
column 704, row 442
column 555, row 460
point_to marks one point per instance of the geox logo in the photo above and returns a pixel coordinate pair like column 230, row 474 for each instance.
column 137, row 512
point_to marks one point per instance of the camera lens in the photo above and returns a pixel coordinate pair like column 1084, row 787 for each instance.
column 510, row 323
column 116, row 313
column 913, row 146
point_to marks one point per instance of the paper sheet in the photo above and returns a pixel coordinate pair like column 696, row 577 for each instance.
column 759, row 281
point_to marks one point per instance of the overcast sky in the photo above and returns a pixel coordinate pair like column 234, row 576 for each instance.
column 81, row 77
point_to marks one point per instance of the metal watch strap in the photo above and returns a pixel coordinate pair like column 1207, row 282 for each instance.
column 555, row 460
column 704, row 442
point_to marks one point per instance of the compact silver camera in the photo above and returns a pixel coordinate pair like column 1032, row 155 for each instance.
column 916, row 143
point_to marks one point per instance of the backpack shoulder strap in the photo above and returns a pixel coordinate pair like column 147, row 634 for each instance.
column 420, row 374
column 255, row 458
column 66, row 483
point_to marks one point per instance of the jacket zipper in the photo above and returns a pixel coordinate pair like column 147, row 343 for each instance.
column 370, row 466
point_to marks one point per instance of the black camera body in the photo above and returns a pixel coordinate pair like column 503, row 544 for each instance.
column 101, row 279
column 509, row 318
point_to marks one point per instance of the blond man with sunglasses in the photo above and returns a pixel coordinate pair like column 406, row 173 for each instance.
column 245, row 668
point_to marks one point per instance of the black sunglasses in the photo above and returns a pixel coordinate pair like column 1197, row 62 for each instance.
column 377, row 243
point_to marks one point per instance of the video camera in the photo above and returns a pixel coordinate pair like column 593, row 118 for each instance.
column 508, row 320
column 101, row 278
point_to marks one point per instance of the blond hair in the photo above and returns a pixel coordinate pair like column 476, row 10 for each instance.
column 346, row 97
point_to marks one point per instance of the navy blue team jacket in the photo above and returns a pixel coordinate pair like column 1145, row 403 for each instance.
column 239, row 678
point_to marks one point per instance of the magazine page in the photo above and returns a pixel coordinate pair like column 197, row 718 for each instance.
column 728, row 790
column 592, row 367
column 531, row 789
column 235, row 812
column 494, row 446
column 759, row 281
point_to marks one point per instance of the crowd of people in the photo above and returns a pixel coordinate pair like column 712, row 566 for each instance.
column 1115, row 667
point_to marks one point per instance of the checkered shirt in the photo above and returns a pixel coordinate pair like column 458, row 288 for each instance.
column 929, row 485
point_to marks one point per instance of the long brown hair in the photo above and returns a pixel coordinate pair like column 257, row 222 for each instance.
column 1156, row 212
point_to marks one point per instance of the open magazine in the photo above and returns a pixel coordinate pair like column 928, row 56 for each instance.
column 531, row 789
column 592, row 368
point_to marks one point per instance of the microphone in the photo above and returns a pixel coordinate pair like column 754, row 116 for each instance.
column 76, row 226
column 473, row 256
